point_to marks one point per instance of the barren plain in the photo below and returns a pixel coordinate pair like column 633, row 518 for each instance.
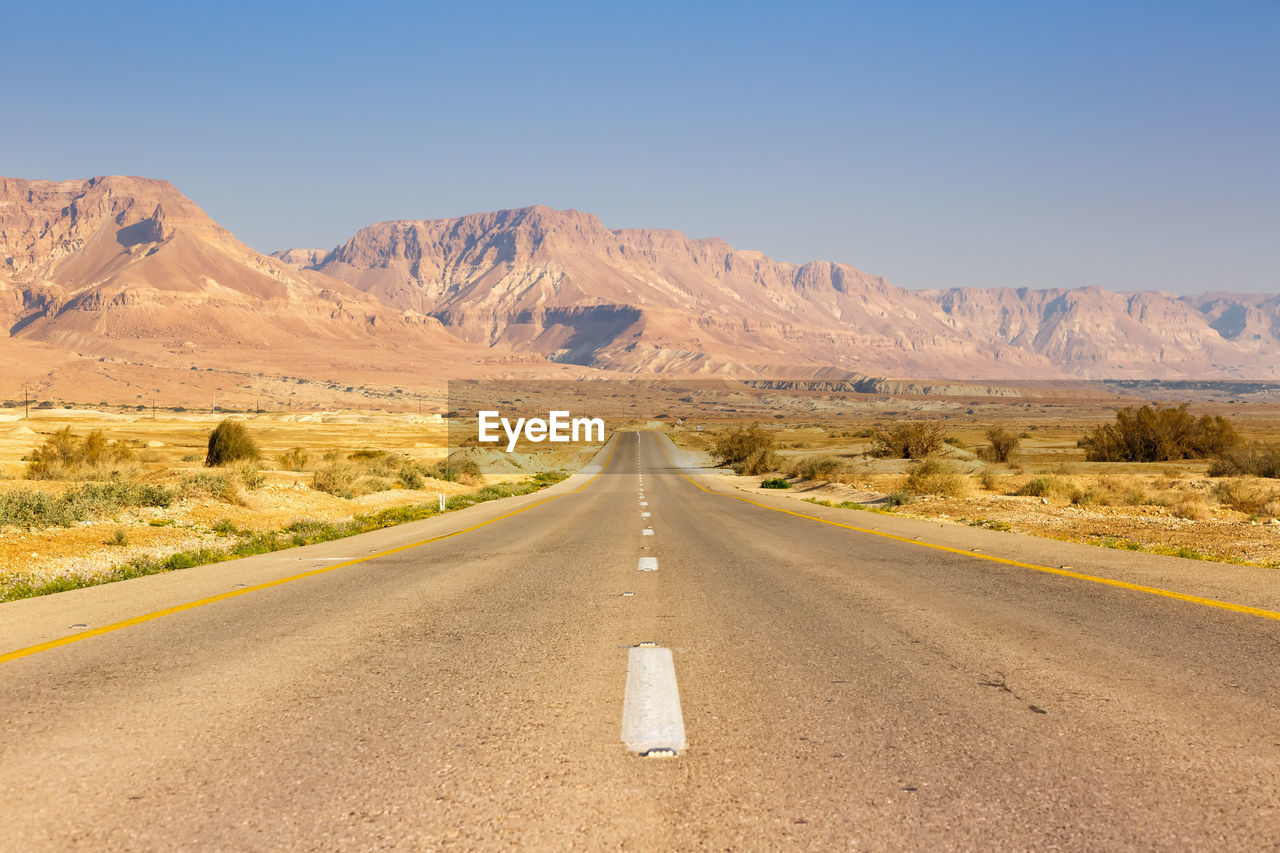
column 316, row 469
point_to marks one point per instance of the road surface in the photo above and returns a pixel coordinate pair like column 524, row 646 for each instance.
column 820, row 687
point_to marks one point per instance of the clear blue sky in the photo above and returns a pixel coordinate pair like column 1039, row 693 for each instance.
column 1128, row 145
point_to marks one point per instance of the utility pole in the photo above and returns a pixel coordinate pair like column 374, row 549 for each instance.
column 26, row 403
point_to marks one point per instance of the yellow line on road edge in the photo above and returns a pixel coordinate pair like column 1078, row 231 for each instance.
column 1150, row 590
column 190, row 605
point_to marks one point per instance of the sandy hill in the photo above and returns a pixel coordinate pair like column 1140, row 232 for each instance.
column 560, row 284
column 130, row 271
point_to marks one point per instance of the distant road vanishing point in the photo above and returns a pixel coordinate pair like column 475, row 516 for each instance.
column 642, row 658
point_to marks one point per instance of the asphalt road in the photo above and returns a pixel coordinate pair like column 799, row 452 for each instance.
column 837, row 688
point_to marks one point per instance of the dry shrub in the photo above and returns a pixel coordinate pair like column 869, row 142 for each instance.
column 1047, row 486
column 935, row 477
column 750, row 444
column 230, row 442
column 294, row 460
column 915, row 440
column 1136, row 495
column 1103, row 493
column 1003, row 447
column 456, row 470
column 379, row 463
column 990, row 480
column 1259, row 459
column 411, row 476
column 202, row 486
column 1192, row 507
column 65, row 456
column 1159, row 434
column 336, row 478
column 816, row 468
column 758, row 462
column 246, row 473
column 1270, row 509
column 1244, row 495
column 229, row 485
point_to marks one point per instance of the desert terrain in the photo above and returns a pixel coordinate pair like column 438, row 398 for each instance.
column 1047, row 489
column 327, row 468
column 316, row 472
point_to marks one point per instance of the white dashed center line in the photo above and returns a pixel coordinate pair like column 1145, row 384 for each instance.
column 651, row 717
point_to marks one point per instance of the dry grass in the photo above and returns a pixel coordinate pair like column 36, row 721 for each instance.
column 165, row 500
column 1193, row 507
column 1245, row 494
column 933, row 476
column 67, row 456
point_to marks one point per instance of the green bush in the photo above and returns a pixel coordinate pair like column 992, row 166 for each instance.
column 30, row 509
column 229, row 442
column 775, row 483
column 914, row 440
column 1159, row 434
column 109, row 498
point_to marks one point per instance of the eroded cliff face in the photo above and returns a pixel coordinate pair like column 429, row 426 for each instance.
column 561, row 284
column 535, row 278
column 116, row 265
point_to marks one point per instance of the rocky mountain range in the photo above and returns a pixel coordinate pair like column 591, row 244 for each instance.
column 560, row 284
column 127, row 271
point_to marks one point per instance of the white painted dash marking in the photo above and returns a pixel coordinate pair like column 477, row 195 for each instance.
column 647, row 564
column 644, row 503
column 651, row 717
column 647, row 514
column 648, row 531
